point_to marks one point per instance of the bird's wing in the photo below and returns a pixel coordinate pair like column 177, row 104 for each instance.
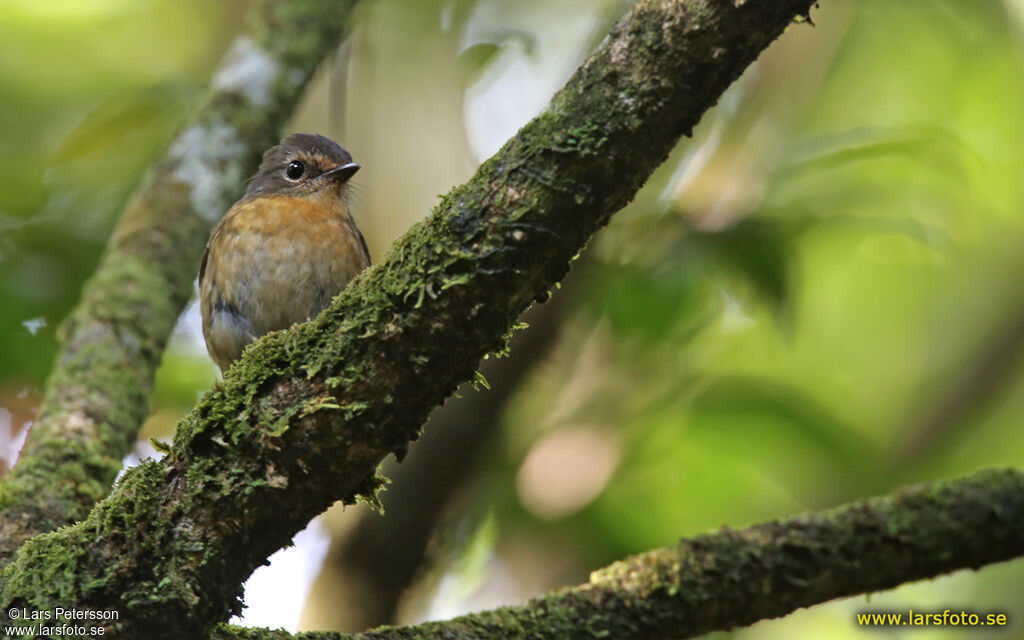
column 202, row 265
column 362, row 241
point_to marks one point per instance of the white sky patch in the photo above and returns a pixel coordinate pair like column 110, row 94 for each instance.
column 34, row 325
column 249, row 70
column 276, row 593
column 190, row 324
column 207, row 159
column 142, row 450
column 12, row 437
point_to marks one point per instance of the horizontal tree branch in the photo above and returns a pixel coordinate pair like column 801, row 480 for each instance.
column 305, row 417
column 735, row 578
column 98, row 392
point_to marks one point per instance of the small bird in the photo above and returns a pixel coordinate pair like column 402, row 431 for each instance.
column 284, row 250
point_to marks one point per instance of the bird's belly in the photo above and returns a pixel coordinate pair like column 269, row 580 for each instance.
column 285, row 288
column 289, row 277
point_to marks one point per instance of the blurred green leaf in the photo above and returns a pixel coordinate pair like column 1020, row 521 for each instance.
column 653, row 305
column 107, row 125
column 850, row 456
column 937, row 146
column 759, row 251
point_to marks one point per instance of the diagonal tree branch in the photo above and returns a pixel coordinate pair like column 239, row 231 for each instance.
column 306, row 415
column 98, row 392
column 378, row 559
column 732, row 578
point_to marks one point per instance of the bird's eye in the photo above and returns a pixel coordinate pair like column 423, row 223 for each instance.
column 295, row 170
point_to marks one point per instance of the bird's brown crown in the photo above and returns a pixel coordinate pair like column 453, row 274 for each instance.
column 303, row 163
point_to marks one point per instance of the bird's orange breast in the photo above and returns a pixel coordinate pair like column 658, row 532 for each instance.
column 274, row 261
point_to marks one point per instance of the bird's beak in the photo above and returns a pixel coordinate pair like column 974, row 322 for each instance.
column 341, row 174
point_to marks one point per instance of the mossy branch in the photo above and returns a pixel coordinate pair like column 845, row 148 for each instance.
column 423, row 486
column 735, row 578
column 305, row 417
column 98, row 392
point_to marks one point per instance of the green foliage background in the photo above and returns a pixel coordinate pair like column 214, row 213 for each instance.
column 817, row 298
